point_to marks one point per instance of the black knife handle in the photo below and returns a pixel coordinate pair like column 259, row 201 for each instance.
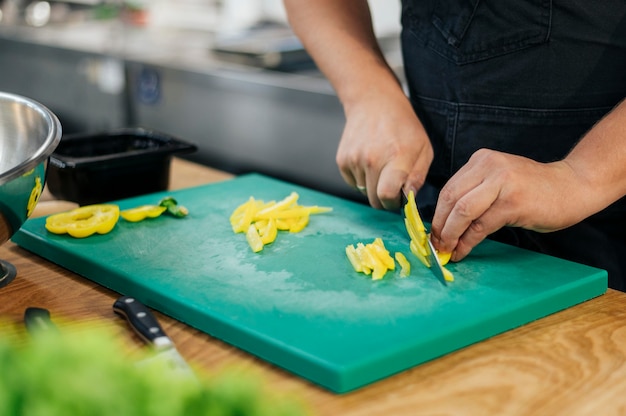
column 38, row 319
column 140, row 318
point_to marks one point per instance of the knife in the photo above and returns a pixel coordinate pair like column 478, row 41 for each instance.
column 145, row 324
column 431, row 256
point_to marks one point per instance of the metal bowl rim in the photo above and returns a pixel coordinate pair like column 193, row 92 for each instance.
column 48, row 146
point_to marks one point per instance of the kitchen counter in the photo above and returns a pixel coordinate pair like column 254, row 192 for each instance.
column 571, row 363
column 98, row 76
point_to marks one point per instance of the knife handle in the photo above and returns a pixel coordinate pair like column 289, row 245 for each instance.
column 141, row 320
column 38, row 319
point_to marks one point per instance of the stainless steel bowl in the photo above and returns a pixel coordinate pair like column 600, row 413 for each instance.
column 29, row 133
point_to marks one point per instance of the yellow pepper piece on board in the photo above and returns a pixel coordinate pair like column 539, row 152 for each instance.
column 419, row 239
column 299, row 224
column 414, row 235
column 238, row 212
column 284, row 215
column 283, row 204
column 417, row 253
column 367, row 269
column 242, row 222
column 354, row 259
column 284, row 225
column 444, row 258
column 378, row 248
column 405, row 266
column 411, row 213
column 372, row 258
column 142, row 212
column 269, row 232
column 35, row 193
column 254, row 239
column 84, row 221
column 371, row 261
column 298, row 211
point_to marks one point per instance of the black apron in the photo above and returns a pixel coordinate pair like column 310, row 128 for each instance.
column 527, row 77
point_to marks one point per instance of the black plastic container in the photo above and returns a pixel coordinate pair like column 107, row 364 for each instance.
column 94, row 168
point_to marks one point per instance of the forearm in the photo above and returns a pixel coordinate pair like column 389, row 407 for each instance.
column 599, row 161
column 339, row 37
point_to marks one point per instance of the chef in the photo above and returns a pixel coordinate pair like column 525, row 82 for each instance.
column 514, row 125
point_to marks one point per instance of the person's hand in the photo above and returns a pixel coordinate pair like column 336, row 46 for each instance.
column 384, row 148
column 496, row 189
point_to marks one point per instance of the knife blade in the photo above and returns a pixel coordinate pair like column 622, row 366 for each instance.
column 435, row 265
column 145, row 324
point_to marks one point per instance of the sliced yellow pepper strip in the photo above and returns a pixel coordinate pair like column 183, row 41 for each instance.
column 372, row 258
column 411, row 213
column 84, row 221
column 269, row 232
column 417, row 253
column 294, row 212
column 354, row 259
column 447, row 275
column 299, row 224
column 270, row 217
column 35, row 193
column 367, row 268
column 419, row 239
column 285, row 203
column 405, row 266
column 444, row 258
column 242, row 222
column 373, row 262
column 284, row 225
column 379, row 250
column 254, row 239
column 142, row 212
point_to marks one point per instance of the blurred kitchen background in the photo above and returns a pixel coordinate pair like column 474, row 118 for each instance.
column 226, row 75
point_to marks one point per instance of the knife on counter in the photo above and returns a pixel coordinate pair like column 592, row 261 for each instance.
column 431, row 256
column 144, row 323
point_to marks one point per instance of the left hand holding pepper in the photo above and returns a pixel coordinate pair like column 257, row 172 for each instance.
column 496, row 189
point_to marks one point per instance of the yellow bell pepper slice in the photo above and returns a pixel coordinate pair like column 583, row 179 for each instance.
column 372, row 258
column 243, row 215
column 34, row 196
column 284, row 225
column 254, row 239
column 84, row 221
column 354, row 259
column 278, row 206
column 379, row 250
column 270, row 217
column 414, row 247
column 444, row 258
column 405, row 266
column 142, row 212
column 419, row 239
column 413, row 217
column 447, row 275
column 269, row 232
column 299, row 224
column 372, row 261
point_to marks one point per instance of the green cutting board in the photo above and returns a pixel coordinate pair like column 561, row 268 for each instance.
column 298, row 303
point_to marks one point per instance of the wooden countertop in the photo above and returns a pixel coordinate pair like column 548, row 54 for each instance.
column 569, row 363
